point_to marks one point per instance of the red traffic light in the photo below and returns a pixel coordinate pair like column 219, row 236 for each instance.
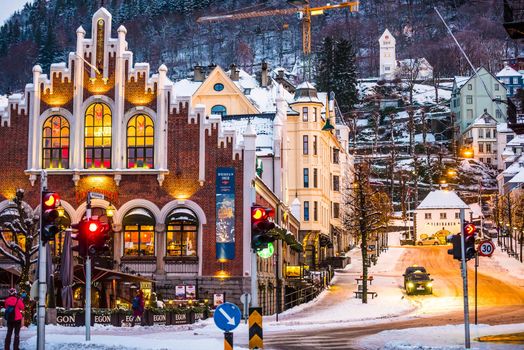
column 93, row 226
column 258, row 213
column 470, row 229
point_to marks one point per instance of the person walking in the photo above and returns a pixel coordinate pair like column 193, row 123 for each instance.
column 14, row 305
column 138, row 306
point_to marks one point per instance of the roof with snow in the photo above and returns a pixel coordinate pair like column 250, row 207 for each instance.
column 503, row 127
column 441, row 199
column 460, row 81
column 262, row 125
column 484, row 119
column 518, row 179
column 507, row 71
column 306, row 92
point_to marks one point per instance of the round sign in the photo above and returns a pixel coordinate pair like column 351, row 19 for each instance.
column 245, row 298
column 267, row 252
column 227, row 317
column 486, row 248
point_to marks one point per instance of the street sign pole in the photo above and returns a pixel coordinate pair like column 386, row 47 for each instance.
column 88, row 278
column 42, row 262
column 476, row 283
column 464, row 278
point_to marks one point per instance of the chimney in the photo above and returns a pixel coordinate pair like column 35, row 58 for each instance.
column 264, row 77
column 199, row 74
column 235, row 73
column 281, row 74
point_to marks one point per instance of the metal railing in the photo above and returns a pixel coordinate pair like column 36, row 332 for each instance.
column 303, row 295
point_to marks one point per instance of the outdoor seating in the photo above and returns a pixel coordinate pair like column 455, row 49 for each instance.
column 358, row 294
column 361, row 278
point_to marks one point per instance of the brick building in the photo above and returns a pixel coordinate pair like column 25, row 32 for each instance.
column 182, row 185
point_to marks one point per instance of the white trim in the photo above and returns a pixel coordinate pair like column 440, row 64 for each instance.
column 136, row 203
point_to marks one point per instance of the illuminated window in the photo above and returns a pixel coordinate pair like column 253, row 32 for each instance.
column 140, row 142
column 219, row 110
column 55, row 143
column 139, row 233
column 181, row 233
column 97, row 137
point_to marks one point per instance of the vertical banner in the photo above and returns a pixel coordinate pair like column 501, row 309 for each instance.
column 225, row 214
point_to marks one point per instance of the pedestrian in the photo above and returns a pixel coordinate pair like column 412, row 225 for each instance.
column 138, row 306
column 14, row 305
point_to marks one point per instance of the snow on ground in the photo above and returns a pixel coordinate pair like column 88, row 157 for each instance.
column 441, row 338
column 338, row 304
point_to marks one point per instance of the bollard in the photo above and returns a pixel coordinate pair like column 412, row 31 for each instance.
column 256, row 339
column 228, row 340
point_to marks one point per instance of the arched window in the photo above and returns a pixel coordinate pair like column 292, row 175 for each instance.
column 55, row 143
column 181, row 233
column 140, row 142
column 139, row 233
column 219, row 109
column 97, row 139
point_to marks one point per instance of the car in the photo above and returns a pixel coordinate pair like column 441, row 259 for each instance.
column 417, row 280
column 411, row 269
column 428, row 241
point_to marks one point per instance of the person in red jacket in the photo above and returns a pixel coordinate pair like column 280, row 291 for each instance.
column 14, row 300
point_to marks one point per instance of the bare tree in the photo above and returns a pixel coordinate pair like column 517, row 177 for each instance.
column 411, row 129
column 19, row 235
column 366, row 216
column 409, row 70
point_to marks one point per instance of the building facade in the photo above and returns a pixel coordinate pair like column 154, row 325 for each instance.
column 388, row 57
column 481, row 138
column 181, row 183
column 511, row 79
column 469, row 98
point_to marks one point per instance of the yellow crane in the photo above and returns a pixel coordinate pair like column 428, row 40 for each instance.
column 303, row 9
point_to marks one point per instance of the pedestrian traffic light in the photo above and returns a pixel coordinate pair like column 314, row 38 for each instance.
column 49, row 227
column 469, row 240
column 260, row 226
column 455, row 251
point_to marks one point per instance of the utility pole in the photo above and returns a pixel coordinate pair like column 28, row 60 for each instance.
column 42, row 262
column 88, row 278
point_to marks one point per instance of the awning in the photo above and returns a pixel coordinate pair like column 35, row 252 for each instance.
column 138, row 216
column 101, row 274
column 182, row 214
column 12, row 269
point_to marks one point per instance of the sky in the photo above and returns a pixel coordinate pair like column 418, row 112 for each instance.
column 8, row 7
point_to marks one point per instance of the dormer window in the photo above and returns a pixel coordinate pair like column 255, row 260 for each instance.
column 247, row 91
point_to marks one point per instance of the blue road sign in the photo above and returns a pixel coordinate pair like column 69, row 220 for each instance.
column 227, row 317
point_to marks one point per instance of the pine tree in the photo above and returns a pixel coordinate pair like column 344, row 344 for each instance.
column 325, row 65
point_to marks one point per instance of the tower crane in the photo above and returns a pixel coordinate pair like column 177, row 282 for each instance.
column 302, row 8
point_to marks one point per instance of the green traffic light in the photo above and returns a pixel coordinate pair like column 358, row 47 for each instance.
column 266, row 252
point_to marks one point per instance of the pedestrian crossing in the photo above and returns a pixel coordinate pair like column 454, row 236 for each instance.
column 290, row 341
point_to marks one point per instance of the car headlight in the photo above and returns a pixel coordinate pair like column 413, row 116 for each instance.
column 429, row 285
column 410, row 285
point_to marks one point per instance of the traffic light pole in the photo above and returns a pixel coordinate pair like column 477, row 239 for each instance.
column 42, row 262
column 464, row 277
column 88, row 278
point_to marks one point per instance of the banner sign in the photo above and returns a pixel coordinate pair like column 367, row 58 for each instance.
column 225, row 213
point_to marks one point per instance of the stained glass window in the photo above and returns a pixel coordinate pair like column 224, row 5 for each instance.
column 97, row 137
column 140, row 142
column 55, row 143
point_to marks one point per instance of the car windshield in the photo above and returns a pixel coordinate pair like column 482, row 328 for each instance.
column 415, row 268
column 419, row 276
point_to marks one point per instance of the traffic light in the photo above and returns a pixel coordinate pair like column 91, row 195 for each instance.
column 260, row 225
column 455, row 251
column 49, row 226
column 92, row 237
column 469, row 241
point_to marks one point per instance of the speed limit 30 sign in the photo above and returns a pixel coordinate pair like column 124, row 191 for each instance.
column 486, row 248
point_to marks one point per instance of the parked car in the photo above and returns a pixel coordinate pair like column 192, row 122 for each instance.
column 428, row 241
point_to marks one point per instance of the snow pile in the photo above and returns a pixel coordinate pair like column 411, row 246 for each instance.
column 437, row 338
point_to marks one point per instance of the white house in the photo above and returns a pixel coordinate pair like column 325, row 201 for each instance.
column 439, row 210
column 504, row 135
column 388, row 58
column 408, row 67
column 481, row 137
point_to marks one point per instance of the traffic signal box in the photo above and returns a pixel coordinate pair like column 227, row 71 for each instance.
column 470, row 233
column 49, row 226
column 92, row 237
column 260, row 226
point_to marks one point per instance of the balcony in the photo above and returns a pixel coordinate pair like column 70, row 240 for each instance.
column 514, row 18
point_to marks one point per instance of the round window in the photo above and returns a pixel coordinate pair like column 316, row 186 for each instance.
column 218, row 87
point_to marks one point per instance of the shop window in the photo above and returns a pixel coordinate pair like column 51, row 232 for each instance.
column 140, row 142
column 97, row 136
column 139, row 233
column 55, row 143
column 182, row 233
column 219, row 110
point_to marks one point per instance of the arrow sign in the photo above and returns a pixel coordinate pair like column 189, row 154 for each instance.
column 227, row 317
column 470, row 229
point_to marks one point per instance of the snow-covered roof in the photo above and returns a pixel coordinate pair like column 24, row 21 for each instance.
column 186, row 87
column 460, row 80
column 476, row 210
column 262, row 125
column 503, row 127
column 306, row 92
column 484, row 119
column 441, row 199
column 507, row 71
column 519, row 178
column 518, row 140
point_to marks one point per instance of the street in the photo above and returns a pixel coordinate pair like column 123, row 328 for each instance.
column 500, row 299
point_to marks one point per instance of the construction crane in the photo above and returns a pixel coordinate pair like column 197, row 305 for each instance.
column 303, row 9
